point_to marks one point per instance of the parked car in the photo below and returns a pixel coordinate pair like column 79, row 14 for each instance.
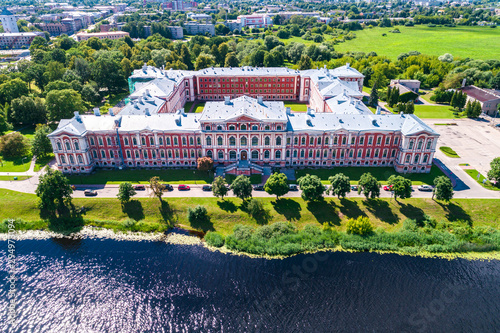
column 167, row 187
column 293, row 187
column 90, row 193
column 139, row 187
column 387, row 187
column 425, row 188
column 258, row 188
column 183, row 188
column 354, row 187
column 497, row 125
column 207, row 188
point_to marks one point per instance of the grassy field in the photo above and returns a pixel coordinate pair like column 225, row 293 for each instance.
column 461, row 41
column 141, row 176
column 449, row 152
column 225, row 214
column 435, row 111
column 294, row 39
column 17, row 165
column 297, row 107
column 199, row 107
column 487, row 185
column 381, row 173
column 11, row 178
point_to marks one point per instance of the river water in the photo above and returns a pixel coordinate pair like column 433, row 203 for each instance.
column 103, row 285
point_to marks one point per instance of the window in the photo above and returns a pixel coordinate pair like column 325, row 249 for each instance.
column 255, row 155
column 143, row 141
column 243, row 141
column 359, row 153
column 310, row 154
column 68, row 147
column 209, row 153
column 303, row 140
column 396, row 140
column 325, row 153
column 198, row 140
column 100, row 141
column 254, row 128
column 426, row 157
column 296, row 141
column 134, row 141
column 410, row 145
column 278, row 141
column 278, row 154
column 153, row 152
column 344, row 140
column 387, row 140
column 221, row 155
column 144, row 154
column 63, row 159
column 302, row 153
column 209, row 141
column 162, row 153
column 429, row 143
column 176, row 141
column 191, row 141
column 319, row 141
column 379, row 140
column 267, row 128
column 80, row 159
column 278, row 128
column 376, row 153
column 327, row 140
column 393, row 153
column 353, row 140
column 420, row 144
column 232, row 141
column 266, row 154
column 255, row 141
column 361, row 140
column 184, row 141
column 243, row 127
column 59, row 146
column 92, row 141
column 295, row 153
column 151, row 141
column 167, row 140
column 207, row 128
column 160, row 141
column 219, row 128
column 71, row 159
column 311, row 141
column 94, row 153
column 407, row 158
column 384, row 154
column 335, row 140
column 125, row 141
column 370, row 140
column 231, row 128
column 232, row 155
column 267, row 141
column 367, row 153
column 219, row 141
column 416, row 159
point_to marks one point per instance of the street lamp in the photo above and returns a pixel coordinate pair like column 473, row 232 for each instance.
column 194, row 176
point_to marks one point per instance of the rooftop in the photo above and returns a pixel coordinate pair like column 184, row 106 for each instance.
column 479, row 94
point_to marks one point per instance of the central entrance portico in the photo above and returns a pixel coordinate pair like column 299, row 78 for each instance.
column 244, row 155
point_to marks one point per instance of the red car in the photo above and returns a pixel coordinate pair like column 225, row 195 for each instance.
column 183, row 188
column 139, row 187
column 387, row 187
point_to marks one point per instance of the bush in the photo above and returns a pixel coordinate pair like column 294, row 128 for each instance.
column 214, row 239
column 198, row 215
column 129, row 224
column 359, row 226
column 255, row 207
column 410, row 225
column 13, row 145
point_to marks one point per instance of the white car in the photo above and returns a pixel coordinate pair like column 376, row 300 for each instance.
column 425, row 188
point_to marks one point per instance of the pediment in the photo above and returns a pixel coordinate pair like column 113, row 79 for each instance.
column 243, row 119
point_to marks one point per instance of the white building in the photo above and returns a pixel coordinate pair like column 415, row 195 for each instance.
column 9, row 21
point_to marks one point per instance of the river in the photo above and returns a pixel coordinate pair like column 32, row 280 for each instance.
column 104, row 285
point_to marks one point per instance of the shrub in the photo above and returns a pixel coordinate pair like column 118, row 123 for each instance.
column 410, row 225
column 359, row 226
column 214, row 239
column 129, row 224
column 255, row 207
column 197, row 215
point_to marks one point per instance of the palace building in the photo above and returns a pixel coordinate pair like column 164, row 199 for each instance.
column 245, row 126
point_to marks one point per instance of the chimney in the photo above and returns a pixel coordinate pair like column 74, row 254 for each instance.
column 227, row 100
column 111, row 113
column 379, row 110
column 146, row 111
column 77, row 116
column 260, row 100
column 97, row 113
column 288, row 110
column 348, row 65
column 463, row 82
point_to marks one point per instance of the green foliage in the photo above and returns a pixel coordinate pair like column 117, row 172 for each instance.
column 373, row 101
column 13, row 146
column 125, row 192
column 242, row 188
column 443, row 189
column 256, row 210
column 312, row 188
column 4, row 123
column 360, row 226
column 12, row 89
column 369, row 185
column 449, row 152
column 341, row 185
column 62, row 103
column 494, row 173
column 41, row 146
column 155, row 184
column 28, row 111
column 277, row 184
column 198, row 215
column 305, row 62
column 214, row 239
column 219, row 188
column 54, row 191
column 400, row 186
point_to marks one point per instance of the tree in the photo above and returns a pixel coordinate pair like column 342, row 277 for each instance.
column 305, row 62
column 394, row 97
column 341, row 185
column 204, row 61
column 156, row 187
column 231, row 60
column 125, row 192
column 494, row 173
column 242, row 188
column 90, row 93
column 443, row 189
column 271, row 42
column 198, row 215
column 205, row 164
column 410, row 108
column 373, row 101
column 28, row 111
column 219, row 188
column 369, row 185
column 186, row 57
column 54, row 191
column 11, row 89
column 13, row 146
column 4, row 124
column 38, row 43
column 107, row 71
column 312, row 188
column 126, row 66
column 62, row 103
column 41, row 145
column 360, row 226
column 277, row 184
column 400, row 186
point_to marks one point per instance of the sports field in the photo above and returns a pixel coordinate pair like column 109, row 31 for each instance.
column 461, row 41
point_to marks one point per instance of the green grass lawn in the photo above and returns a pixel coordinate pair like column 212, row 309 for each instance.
column 141, row 176
column 225, row 214
column 461, row 41
column 11, row 178
column 28, row 132
column 487, row 185
column 381, row 173
column 17, row 165
column 188, row 106
column 449, row 152
column 427, row 96
column 113, row 99
column 435, row 111
column 41, row 162
column 297, row 107
column 199, row 107
column 294, row 39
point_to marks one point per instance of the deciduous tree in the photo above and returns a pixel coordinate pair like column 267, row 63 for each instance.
column 219, row 188
column 156, row 187
column 401, row 186
column 242, row 188
column 443, row 188
column 13, row 145
column 54, row 191
column 125, row 192
column 61, row 104
column 494, row 173
column 41, row 145
column 341, row 185
column 205, row 164
column 369, row 185
column 312, row 188
column 277, row 184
